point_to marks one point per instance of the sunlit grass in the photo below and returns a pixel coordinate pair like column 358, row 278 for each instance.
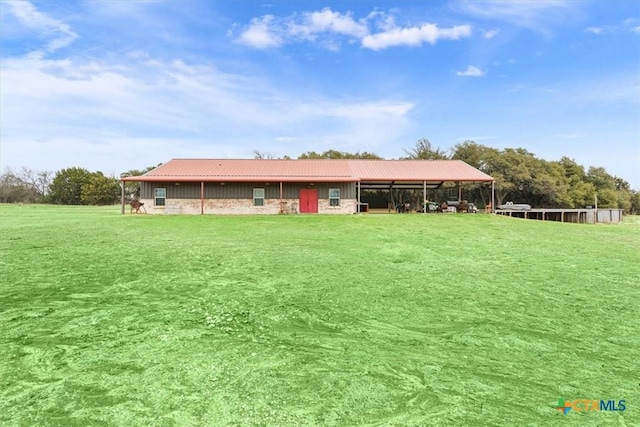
column 314, row 320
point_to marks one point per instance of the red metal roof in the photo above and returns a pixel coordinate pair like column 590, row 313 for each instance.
column 416, row 170
column 308, row 170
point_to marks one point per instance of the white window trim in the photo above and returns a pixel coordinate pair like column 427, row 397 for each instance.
column 334, row 198
column 155, row 198
column 259, row 198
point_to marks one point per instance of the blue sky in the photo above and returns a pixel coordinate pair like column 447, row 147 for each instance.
column 115, row 85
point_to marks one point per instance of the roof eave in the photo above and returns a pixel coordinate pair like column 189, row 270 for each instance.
column 236, row 179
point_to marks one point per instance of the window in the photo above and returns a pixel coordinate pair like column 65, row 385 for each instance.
column 334, row 197
column 160, row 196
column 258, row 197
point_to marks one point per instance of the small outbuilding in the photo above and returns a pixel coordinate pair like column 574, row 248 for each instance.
column 270, row 186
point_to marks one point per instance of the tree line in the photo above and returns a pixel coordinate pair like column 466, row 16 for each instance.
column 520, row 177
column 69, row 186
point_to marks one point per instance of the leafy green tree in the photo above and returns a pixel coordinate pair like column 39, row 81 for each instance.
column 572, row 169
column 635, row 202
column 580, row 192
column 311, row 155
column 423, row 150
column 474, row 154
column 520, row 176
column 335, row 154
column 482, row 158
column 607, row 198
column 621, row 184
column 613, row 192
column 66, row 187
column 100, row 190
column 624, row 200
column 601, row 179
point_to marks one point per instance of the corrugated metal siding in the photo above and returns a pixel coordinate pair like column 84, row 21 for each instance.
column 189, row 190
column 609, row 215
column 590, row 217
column 347, row 190
column 213, row 190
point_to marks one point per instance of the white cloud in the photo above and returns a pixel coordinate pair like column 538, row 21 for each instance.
column 414, row 36
column 137, row 105
column 594, row 30
column 471, row 71
column 326, row 28
column 381, row 20
column 334, row 22
column 632, row 24
column 491, row 33
column 59, row 34
column 261, row 33
column 269, row 31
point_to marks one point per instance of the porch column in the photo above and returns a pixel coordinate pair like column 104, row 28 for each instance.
column 281, row 205
column 201, row 197
column 424, row 196
column 358, row 207
column 122, row 196
column 459, row 191
column 493, row 196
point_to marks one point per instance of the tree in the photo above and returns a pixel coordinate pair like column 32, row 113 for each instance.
column 132, row 188
column 66, row 187
column 24, row 186
column 39, row 181
column 579, row 193
column 635, row 203
column 601, row 179
column 624, row 200
column 613, row 191
column 481, row 158
column 607, row 198
column 100, row 190
column 257, row 154
column 335, row 154
column 423, row 150
column 519, row 175
column 14, row 190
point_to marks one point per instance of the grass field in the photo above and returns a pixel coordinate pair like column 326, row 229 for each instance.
column 404, row 320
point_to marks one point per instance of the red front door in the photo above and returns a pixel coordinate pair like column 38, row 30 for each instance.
column 308, row 200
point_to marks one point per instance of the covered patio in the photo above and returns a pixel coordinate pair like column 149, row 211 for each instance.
column 392, row 175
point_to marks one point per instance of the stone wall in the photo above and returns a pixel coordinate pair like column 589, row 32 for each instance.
column 347, row 206
column 243, row 207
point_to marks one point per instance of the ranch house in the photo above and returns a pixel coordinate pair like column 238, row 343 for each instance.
column 269, row 186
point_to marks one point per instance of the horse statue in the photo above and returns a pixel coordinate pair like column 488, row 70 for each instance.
column 136, row 205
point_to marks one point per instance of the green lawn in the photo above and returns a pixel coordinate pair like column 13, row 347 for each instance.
column 404, row 320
